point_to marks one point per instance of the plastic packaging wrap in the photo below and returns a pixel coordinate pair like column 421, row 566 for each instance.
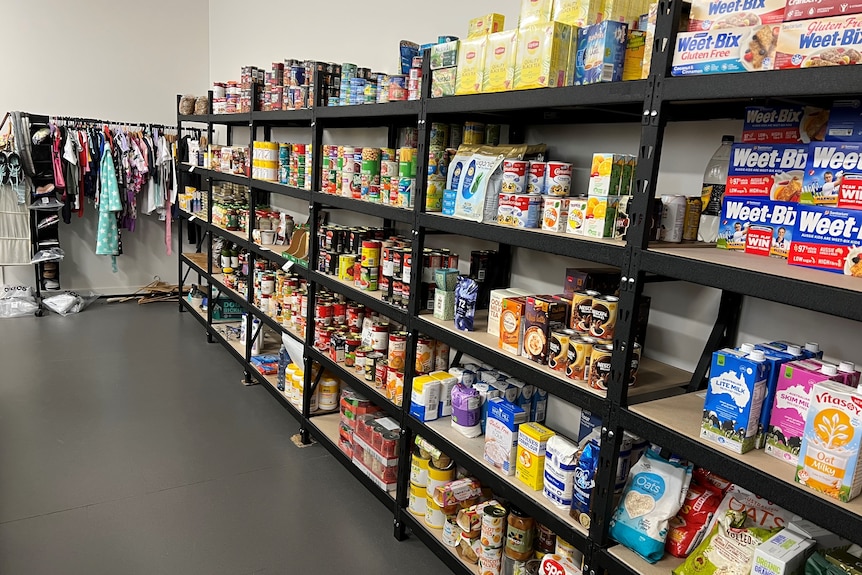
column 70, row 302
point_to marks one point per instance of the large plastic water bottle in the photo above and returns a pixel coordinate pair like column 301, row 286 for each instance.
column 712, row 192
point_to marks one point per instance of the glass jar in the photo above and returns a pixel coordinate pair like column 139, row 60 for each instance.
column 519, row 535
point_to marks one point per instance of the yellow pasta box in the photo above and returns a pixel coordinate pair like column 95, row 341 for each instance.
column 487, row 24
column 578, row 13
column 535, row 12
column 530, row 464
column 500, row 51
column 543, row 55
column 471, row 65
column 634, row 58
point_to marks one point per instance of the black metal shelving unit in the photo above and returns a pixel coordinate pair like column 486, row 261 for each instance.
column 650, row 104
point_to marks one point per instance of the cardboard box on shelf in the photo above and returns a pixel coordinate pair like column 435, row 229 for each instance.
column 845, row 121
column 543, row 55
column 634, row 58
column 601, row 52
column 603, row 279
column 577, row 13
column 767, row 171
column 601, row 216
column 833, row 175
column 828, row 239
column 784, row 124
column 487, row 24
column 530, row 466
column 443, row 82
column 471, row 65
column 535, row 12
column 739, row 215
column 540, row 313
column 782, row 554
column 725, row 50
column 501, row 434
column 500, row 53
column 722, row 14
column 835, row 41
column 811, row 9
column 606, row 174
column 444, row 55
column 511, row 321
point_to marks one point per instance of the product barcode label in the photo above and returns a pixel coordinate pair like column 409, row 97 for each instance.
column 607, row 72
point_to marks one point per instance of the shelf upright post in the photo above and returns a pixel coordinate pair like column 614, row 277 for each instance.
column 313, row 251
column 248, row 378
column 210, row 292
column 414, row 305
column 180, row 225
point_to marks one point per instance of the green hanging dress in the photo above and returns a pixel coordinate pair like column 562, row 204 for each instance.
column 108, row 236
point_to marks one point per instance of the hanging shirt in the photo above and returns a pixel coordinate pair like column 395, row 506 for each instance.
column 107, row 237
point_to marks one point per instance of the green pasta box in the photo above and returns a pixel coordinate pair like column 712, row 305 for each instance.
column 443, row 82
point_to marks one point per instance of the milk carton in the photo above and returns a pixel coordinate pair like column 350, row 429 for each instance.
column 829, row 457
column 828, row 239
column 775, row 358
column 723, row 50
column 787, row 421
column 734, row 399
column 501, row 434
column 833, row 175
column 782, row 554
column 495, row 308
column 757, row 226
column 768, row 171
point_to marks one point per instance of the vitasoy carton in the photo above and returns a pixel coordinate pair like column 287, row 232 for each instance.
column 829, row 457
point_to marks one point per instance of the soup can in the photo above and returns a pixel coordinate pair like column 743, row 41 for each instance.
column 397, row 351
column 424, row 355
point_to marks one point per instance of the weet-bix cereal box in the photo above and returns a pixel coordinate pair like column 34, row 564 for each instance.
column 724, row 50
column 756, row 226
column 845, row 121
column 828, row 239
column 712, row 14
column 833, row 41
column 833, row 175
column 784, row 124
column 769, row 171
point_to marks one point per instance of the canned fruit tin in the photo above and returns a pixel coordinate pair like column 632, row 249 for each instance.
column 395, row 386
column 536, row 177
column 604, row 317
column 493, row 526
column 600, row 366
column 514, row 176
column 578, row 357
column 558, row 179
column 397, row 352
column 582, row 310
column 558, row 350
column 425, row 355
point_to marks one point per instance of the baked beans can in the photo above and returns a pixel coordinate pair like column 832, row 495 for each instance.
column 370, row 254
column 370, row 367
column 582, row 310
column 693, row 207
column 354, row 316
column 397, row 351
column 536, row 177
column 441, row 356
column 558, row 350
column 600, row 366
column 558, row 179
column 380, row 336
column 635, row 365
column 323, row 313
column 381, row 372
column 493, row 532
column 339, row 313
column 514, row 176
column 579, row 353
column 424, row 355
column 604, row 317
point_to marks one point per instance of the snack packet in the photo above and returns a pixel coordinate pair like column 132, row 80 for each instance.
column 466, row 293
column 762, row 512
column 653, row 494
column 729, row 549
column 690, row 524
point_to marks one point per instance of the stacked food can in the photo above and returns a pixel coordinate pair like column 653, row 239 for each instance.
column 295, row 165
column 265, row 161
column 378, row 175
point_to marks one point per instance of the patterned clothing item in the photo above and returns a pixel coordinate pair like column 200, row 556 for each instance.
column 108, row 235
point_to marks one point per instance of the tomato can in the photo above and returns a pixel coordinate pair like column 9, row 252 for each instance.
column 370, row 366
column 357, row 272
column 323, row 313
column 604, row 317
column 600, row 366
column 361, row 355
column 578, row 356
column 336, row 348
column 380, row 336
column 354, row 315
column 425, row 355
column 397, row 350
column 387, row 262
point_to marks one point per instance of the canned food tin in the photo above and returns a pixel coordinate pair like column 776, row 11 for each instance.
column 397, row 352
column 328, row 394
column 434, row 517
column 536, row 177
column 387, row 263
column 451, row 532
column 558, row 179
column 323, row 313
column 439, row 135
column 636, row 361
column 395, row 386
column 350, row 345
column 582, row 310
column 417, row 500
column 673, row 214
column 419, row 472
column 368, row 278
column 514, row 176
column 354, row 315
column 558, row 350
column 370, row 367
column 380, row 336
column 604, row 317
column 339, row 313
column 493, row 526
column 406, row 266
column 424, row 355
column 345, row 266
column 693, row 208
column 474, row 133
column 490, row 560
column 600, row 366
column 441, row 356
column 381, row 371
column 370, row 254
column 579, row 352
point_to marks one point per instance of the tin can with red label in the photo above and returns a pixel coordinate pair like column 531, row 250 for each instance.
column 380, row 336
column 397, row 350
column 387, row 262
column 381, row 372
column 323, row 313
column 361, row 354
column 406, row 266
column 558, row 179
column 339, row 314
column 394, row 386
column 384, row 284
column 441, row 356
column 357, row 270
column 354, row 315
column 370, row 254
column 515, row 176
column 370, row 367
column 536, row 178
column 424, row 355
column 351, row 344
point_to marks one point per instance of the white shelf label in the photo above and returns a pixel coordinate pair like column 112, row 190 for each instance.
column 286, row 267
column 192, row 169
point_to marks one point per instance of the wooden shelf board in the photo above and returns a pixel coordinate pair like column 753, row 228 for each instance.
column 199, row 260
column 438, row 535
column 683, row 413
column 475, row 448
column 636, row 564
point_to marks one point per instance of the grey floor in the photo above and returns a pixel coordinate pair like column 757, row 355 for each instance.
column 128, row 446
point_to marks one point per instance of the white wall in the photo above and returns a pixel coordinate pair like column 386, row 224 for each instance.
column 122, row 61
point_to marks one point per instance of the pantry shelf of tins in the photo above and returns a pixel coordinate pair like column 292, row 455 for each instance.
column 253, row 183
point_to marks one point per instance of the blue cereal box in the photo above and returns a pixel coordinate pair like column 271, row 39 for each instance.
column 601, row 53
column 757, row 226
column 770, row 171
column 734, row 399
column 828, row 239
column 833, row 175
column 722, row 51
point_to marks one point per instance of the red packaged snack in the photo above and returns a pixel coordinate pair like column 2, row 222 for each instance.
column 687, row 529
column 710, row 480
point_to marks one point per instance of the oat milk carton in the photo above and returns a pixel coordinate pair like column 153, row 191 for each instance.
column 829, row 457
column 734, row 399
column 789, row 408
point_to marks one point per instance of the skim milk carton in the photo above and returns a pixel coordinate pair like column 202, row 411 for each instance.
column 734, row 399
column 829, row 457
column 789, row 409
column 828, row 239
column 775, row 358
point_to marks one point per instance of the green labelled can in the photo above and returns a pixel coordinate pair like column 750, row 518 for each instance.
column 434, row 193
column 439, row 135
column 386, row 189
column 407, row 162
column 437, row 161
column 370, row 168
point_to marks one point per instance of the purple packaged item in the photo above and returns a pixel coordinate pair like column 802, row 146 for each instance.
column 466, row 410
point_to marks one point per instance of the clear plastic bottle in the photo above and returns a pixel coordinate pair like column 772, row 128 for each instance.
column 712, row 192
